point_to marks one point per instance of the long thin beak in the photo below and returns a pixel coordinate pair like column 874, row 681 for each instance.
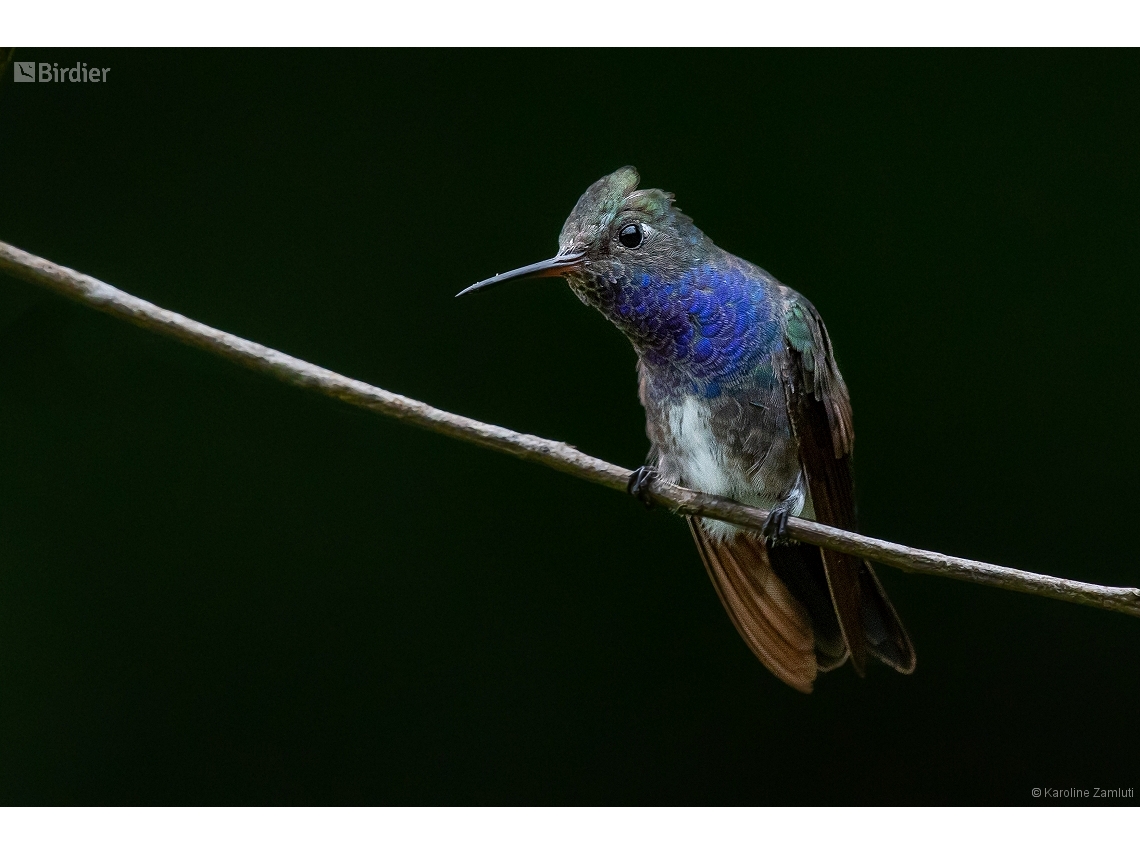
column 551, row 267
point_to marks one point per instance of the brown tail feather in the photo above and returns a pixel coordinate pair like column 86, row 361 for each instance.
column 774, row 626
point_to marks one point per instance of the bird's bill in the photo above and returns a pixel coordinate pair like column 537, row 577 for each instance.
column 556, row 266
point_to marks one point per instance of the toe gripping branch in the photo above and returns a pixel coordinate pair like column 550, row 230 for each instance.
column 638, row 485
column 775, row 529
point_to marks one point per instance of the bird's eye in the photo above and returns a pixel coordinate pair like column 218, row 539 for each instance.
column 630, row 236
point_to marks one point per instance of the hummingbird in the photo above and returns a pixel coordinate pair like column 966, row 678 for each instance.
column 743, row 399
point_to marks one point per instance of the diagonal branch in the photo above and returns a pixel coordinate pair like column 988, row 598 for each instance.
column 557, row 455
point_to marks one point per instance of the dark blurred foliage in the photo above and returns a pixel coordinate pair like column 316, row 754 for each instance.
column 218, row 589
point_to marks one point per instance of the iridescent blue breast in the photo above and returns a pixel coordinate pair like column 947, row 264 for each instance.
column 703, row 328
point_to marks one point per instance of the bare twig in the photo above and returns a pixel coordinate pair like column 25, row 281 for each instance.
column 556, row 455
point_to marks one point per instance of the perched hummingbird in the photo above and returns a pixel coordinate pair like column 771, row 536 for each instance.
column 743, row 399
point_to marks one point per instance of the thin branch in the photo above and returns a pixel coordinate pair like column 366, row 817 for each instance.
column 557, row 455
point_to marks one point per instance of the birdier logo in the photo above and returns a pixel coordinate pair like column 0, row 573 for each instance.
column 50, row 72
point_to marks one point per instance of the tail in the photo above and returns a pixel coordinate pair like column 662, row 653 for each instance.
column 780, row 601
column 775, row 626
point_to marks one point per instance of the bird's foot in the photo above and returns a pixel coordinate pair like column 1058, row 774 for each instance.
column 639, row 481
column 775, row 531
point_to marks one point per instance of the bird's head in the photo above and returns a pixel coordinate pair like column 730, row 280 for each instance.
column 615, row 234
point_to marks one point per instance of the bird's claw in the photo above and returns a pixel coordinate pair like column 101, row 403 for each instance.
column 775, row 530
column 639, row 481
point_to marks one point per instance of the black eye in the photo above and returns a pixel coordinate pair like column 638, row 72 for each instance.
column 630, row 236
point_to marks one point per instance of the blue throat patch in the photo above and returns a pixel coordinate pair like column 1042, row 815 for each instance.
column 703, row 331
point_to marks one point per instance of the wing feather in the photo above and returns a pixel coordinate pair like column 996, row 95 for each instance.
column 819, row 410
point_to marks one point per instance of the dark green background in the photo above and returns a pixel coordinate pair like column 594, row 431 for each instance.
column 218, row 589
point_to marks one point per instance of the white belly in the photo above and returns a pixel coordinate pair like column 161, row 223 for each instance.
column 697, row 461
